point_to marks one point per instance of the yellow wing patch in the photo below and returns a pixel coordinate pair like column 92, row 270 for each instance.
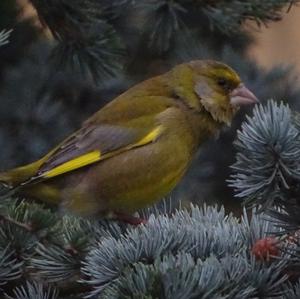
column 96, row 156
column 150, row 137
column 76, row 163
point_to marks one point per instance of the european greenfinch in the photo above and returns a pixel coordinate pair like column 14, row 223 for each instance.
column 135, row 149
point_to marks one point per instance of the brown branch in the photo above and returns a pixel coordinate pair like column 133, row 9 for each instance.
column 25, row 226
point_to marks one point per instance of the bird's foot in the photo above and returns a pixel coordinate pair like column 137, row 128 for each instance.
column 129, row 219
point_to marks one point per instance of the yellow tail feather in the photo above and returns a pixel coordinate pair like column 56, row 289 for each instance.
column 14, row 177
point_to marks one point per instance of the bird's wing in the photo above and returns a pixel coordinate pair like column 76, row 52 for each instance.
column 95, row 143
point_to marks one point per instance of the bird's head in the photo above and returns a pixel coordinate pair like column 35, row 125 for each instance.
column 215, row 87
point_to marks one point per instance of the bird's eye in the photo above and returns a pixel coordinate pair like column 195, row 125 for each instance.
column 225, row 84
column 222, row 82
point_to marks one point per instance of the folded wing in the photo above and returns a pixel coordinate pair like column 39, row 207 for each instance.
column 92, row 144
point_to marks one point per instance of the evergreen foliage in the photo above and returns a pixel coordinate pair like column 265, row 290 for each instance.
column 195, row 253
column 267, row 169
column 93, row 35
column 4, row 35
column 98, row 49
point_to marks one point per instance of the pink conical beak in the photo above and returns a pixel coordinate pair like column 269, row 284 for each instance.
column 241, row 96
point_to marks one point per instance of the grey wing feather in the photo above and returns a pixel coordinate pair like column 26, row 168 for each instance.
column 105, row 138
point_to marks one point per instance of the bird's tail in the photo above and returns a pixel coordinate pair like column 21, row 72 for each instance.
column 11, row 180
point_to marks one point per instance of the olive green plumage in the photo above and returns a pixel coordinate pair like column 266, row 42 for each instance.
column 136, row 149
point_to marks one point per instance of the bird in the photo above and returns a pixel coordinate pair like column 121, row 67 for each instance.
column 135, row 150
